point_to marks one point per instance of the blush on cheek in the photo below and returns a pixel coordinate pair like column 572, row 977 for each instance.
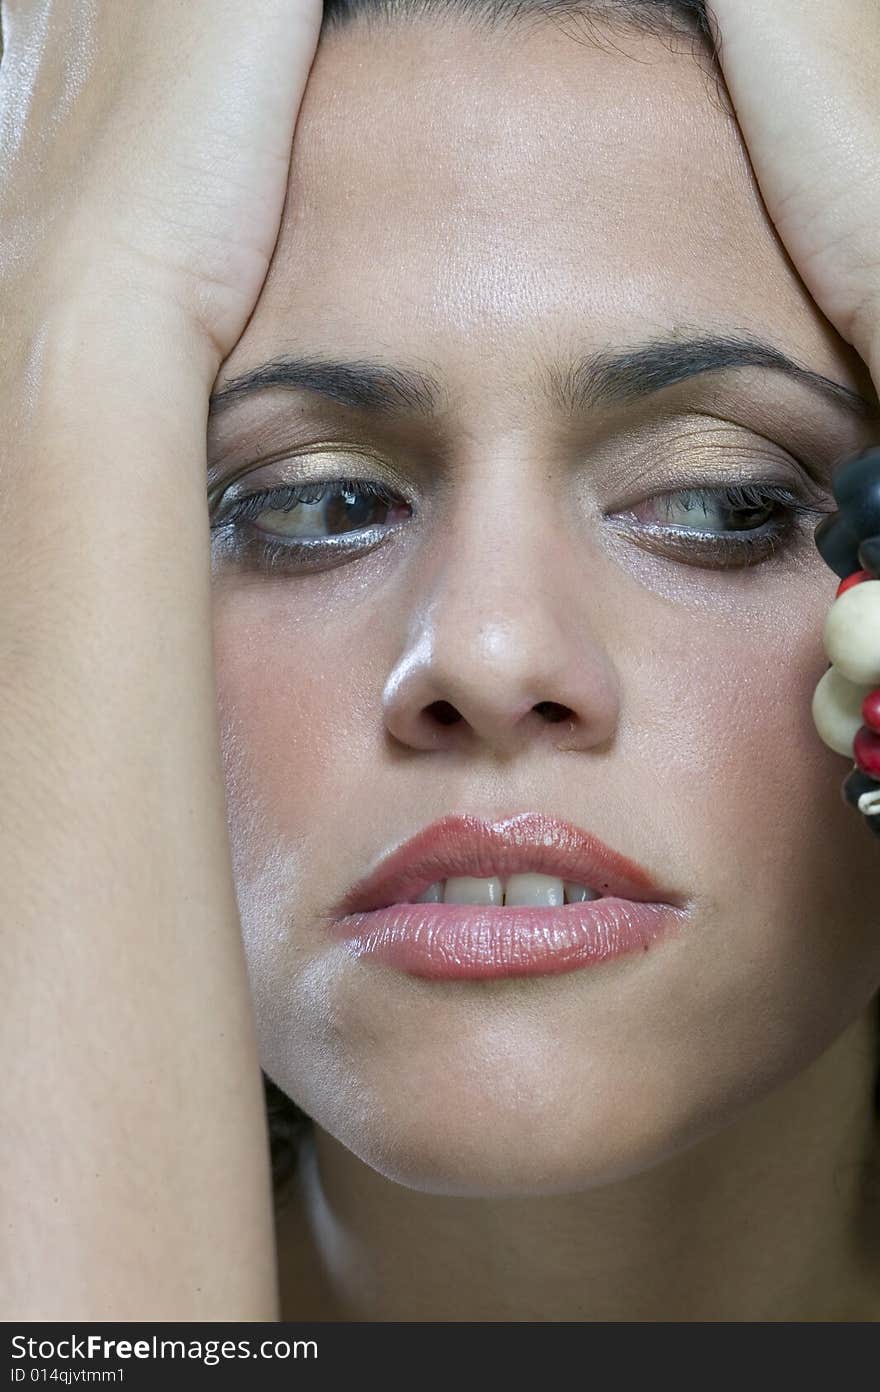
column 720, row 712
column 285, row 697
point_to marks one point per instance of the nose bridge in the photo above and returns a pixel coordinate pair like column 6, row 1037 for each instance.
column 495, row 593
column 500, row 638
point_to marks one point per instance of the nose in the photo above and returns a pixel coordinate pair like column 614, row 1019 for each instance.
column 500, row 651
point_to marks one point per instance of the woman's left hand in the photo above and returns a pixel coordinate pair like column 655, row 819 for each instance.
column 804, row 78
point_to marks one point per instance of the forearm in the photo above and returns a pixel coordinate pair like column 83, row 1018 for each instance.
column 134, row 1173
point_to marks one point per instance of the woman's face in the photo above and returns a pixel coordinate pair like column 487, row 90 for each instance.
column 492, row 210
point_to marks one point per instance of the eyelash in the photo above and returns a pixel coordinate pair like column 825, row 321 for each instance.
column 723, row 550
column 753, row 545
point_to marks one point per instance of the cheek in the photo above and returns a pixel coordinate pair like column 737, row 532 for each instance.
column 289, row 705
column 299, row 743
column 788, row 876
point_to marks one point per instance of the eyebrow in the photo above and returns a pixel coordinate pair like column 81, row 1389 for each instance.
column 591, row 381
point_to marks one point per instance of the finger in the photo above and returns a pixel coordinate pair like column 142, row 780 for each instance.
column 804, row 78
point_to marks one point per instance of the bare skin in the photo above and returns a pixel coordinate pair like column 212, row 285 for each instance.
column 137, row 217
column 686, row 1136
column 744, row 1226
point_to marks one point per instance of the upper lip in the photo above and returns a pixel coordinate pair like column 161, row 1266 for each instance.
column 528, row 841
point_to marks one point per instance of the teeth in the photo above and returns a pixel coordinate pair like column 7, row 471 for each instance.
column 541, row 891
column 432, row 895
column 538, row 891
column 578, row 893
column 464, row 890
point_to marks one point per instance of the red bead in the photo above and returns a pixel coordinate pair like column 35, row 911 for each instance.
column 855, row 579
column 866, row 751
column 871, row 709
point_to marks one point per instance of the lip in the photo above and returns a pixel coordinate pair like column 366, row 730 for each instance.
column 379, row 919
column 529, row 841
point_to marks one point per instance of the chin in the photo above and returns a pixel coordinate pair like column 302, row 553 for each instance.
column 479, row 1141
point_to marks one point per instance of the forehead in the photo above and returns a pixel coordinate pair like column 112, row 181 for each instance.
column 461, row 196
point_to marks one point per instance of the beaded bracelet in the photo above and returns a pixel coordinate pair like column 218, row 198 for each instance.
column 846, row 702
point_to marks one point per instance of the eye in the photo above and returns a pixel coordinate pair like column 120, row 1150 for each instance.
column 730, row 525
column 306, row 525
column 317, row 524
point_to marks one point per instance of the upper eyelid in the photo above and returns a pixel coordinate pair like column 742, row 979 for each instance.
column 223, row 482
column 378, row 468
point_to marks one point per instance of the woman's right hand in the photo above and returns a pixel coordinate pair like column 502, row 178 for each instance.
column 123, row 171
column 145, row 150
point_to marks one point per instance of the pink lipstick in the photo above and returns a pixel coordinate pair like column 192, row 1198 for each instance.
column 380, row 919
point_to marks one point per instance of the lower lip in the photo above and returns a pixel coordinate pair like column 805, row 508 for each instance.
column 452, row 942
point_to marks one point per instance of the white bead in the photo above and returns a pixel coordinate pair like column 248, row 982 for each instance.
column 852, row 633
column 837, row 709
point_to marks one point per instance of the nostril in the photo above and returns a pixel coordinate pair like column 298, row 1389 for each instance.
column 553, row 711
column 443, row 712
column 446, row 714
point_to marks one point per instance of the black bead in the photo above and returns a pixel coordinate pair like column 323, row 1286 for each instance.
column 849, row 539
column 837, row 545
column 862, row 514
column 851, row 477
column 869, row 555
column 856, row 783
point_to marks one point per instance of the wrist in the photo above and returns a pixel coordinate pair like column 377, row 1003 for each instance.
column 108, row 411
column 108, row 323
column 864, row 334
column 92, row 361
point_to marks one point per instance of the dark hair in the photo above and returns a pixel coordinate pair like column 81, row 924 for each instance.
column 686, row 18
